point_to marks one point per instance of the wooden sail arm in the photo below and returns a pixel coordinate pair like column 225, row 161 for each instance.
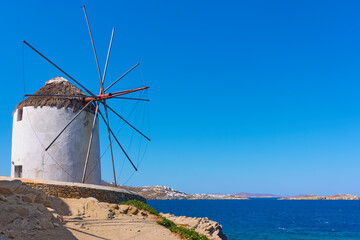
column 115, row 94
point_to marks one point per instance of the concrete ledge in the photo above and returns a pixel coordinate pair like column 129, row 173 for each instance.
column 80, row 190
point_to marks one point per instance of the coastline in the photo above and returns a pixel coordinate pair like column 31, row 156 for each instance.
column 28, row 213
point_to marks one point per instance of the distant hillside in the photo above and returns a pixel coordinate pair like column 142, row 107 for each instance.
column 158, row 192
column 256, row 195
column 163, row 193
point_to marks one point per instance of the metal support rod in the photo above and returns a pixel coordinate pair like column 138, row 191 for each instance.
column 68, row 125
column 128, row 123
column 121, row 77
column 105, row 109
column 102, row 79
column 90, row 142
column 92, row 42
column 118, row 141
column 107, row 60
column 115, row 94
column 58, row 68
column 111, row 150
column 128, row 98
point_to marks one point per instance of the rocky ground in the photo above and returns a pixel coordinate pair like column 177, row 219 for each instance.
column 204, row 226
column 26, row 213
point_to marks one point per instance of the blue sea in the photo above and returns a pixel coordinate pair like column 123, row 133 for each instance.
column 273, row 219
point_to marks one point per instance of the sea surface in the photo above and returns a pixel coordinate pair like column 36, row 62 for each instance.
column 273, row 219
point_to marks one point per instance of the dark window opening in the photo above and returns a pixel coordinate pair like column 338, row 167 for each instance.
column 19, row 114
column 18, row 171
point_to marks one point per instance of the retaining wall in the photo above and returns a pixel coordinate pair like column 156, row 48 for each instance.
column 79, row 190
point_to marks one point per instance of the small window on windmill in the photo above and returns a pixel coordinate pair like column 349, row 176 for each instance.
column 18, row 171
column 19, row 114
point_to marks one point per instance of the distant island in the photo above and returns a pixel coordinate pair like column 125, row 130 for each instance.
column 256, row 195
column 168, row 193
column 317, row 197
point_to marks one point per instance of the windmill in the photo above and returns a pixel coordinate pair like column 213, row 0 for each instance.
column 83, row 103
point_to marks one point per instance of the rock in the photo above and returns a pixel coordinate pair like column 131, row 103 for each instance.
column 210, row 229
column 22, row 211
column 89, row 207
column 11, row 235
column 111, row 214
column 124, row 208
column 56, row 217
column 91, row 204
column 132, row 210
column 142, row 213
column 29, row 198
column 40, row 207
column 5, row 191
column 10, row 186
column 113, row 206
column 59, row 206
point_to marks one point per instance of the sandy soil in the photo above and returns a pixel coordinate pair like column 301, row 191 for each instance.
column 122, row 227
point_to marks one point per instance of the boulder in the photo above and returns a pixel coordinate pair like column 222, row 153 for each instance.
column 132, row 210
column 124, row 209
column 23, row 211
column 88, row 207
column 211, row 229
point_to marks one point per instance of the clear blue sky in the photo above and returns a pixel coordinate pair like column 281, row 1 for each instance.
column 252, row 96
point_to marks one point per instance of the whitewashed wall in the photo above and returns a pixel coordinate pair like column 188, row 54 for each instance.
column 65, row 159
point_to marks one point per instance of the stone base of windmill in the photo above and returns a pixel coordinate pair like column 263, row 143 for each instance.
column 80, row 190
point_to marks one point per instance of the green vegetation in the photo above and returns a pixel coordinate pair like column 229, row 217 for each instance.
column 141, row 206
column 188, row 234
column 185, row 233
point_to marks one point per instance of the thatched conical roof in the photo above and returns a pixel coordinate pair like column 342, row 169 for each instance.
column 57, row 86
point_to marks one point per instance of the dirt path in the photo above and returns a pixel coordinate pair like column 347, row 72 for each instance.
column 123, row 227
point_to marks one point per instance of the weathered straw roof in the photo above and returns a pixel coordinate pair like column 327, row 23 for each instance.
column 57, row 86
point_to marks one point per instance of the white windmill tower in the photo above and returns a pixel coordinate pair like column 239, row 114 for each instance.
column 38, row 119
column 56, row 130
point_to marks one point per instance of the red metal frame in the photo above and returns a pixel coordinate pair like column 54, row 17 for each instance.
column 115, row 94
